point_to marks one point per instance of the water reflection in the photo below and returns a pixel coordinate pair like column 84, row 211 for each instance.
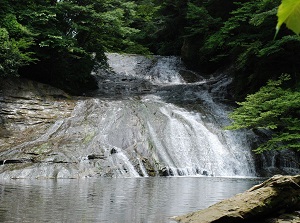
column 113, row 200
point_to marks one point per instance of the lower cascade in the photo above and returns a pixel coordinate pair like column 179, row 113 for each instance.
column 150, row 116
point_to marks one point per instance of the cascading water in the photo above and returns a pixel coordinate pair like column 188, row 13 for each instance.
column 173, row 126
column 149, row 117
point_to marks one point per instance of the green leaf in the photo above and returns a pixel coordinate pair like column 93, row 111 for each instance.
column 289, row 13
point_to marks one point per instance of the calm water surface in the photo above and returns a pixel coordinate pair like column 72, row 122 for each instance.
column 132, row 200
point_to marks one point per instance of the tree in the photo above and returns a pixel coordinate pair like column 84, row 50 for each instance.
column 11, row 55
column 77, row 34
column 239, row 37
column 68, row 39
column 273, row 108
column 168, row 38
column 15, row 39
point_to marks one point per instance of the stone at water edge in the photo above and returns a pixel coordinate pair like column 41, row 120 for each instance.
column 275, row 196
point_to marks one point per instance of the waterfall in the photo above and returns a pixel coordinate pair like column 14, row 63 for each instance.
column 164, row 124
column 150, row 117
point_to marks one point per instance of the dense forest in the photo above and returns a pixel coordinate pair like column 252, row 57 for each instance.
column 60, row 42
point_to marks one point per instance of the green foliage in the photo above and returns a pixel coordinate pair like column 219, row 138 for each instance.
column 242, row 29
column 149, row 22
column 274, row 108
column 61, row 42
column 14, row 27
column 199, row 21
column 277, row 46
column 9, row 61
column 245, row 42
column 170, row 21
column 15, row 39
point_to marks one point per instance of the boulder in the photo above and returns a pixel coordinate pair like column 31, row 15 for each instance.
column 274, row 197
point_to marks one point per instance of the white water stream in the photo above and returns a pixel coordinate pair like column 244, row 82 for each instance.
column 177, row 140
column 150, row 117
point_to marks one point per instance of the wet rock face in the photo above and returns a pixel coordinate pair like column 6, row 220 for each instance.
column 261, row 203
column 28, row 108
column 46, row 134
column 51, row 136
column 175, row 130
column 112, row 85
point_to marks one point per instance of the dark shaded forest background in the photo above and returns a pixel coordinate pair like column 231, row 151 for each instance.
column 61, row 42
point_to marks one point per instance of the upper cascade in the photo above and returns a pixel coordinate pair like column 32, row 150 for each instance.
column 157, row 70
column 135, row 74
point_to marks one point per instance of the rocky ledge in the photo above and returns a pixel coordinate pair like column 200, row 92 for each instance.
column 27, row 109
column 276, row 200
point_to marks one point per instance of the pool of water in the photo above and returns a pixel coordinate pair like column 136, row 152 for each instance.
column 113, row 200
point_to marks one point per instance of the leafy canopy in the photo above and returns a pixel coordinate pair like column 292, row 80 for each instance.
column 61, row 42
